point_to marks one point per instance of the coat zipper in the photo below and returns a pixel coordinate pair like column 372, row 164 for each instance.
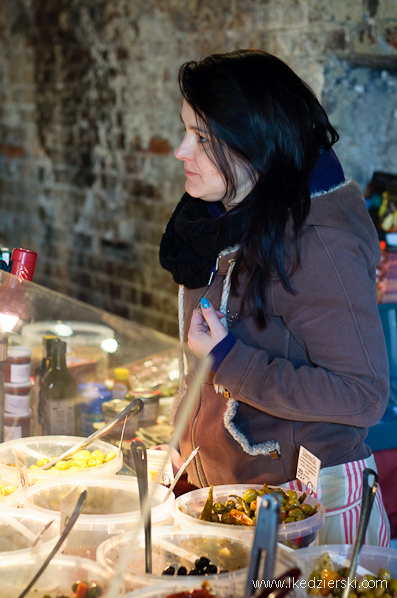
column 209, row 284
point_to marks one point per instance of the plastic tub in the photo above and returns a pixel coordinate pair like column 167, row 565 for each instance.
column 19, row 529
column 36, row 447
column 224, row 585
column 11, row 499
column 299, row 534
column 371, row 558
column 112, row 507
column 61, row 573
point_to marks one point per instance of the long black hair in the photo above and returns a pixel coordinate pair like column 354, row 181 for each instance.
column 260, row 112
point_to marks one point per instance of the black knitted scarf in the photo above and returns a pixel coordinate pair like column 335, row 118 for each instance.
column 190, row 244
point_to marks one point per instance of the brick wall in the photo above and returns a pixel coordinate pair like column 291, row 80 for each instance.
column 89, row 117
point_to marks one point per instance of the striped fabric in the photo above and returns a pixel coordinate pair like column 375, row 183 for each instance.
column 339, row 489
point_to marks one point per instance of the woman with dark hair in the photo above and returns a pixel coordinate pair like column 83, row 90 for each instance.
column 275, row 255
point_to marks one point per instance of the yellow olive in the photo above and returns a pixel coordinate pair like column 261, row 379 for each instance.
column 33, row 467
column 110, row 456
column 91, row 463
column 98, row 455
column 62, row 465
column 82, row 455
column 7, row 490
column 42, row 461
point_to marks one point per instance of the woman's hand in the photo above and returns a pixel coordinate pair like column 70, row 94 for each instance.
column 206, row 329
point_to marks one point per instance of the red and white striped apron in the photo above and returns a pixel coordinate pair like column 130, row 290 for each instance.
column 339, row 489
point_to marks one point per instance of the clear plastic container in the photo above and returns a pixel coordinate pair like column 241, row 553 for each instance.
column 37, row 447
column 11, row 499
column 371, row 558
column 224, row 585
column 19, row 529
column 58, row 577
column 187, row 509
column 177, row 547
column 112, row 507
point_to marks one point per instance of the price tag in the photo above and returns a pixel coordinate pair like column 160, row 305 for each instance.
column 158, row 463
column 22, row 470
column 68, row 504
column 308, row 470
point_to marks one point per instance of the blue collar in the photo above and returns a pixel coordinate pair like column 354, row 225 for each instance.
column 327, row 173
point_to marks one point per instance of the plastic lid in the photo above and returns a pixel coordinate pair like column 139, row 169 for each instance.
column 19, row 352
column 122, row 374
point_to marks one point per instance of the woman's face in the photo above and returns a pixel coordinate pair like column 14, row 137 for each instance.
column 203, row 179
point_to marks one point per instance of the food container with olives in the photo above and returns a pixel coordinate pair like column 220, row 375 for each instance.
column 326, row 567
column 40, row 449
column 61, row 577
column 112, row 507
column 234, row 506
column 222, row 585
column 10, row 491
column 185, row 554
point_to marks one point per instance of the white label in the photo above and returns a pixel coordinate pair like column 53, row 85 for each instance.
column 12, row 432
column 20, row 462
column 17, row 404
column 19, row 373
column 60, row 416
column 308, row 470
column 158, row 463
column 67, row 506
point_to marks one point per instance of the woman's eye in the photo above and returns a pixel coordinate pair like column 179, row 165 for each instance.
column 201, row 138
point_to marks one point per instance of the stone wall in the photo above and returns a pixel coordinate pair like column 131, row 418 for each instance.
column 89, row 118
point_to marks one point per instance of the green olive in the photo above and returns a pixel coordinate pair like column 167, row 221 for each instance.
column 292, row 504
column 230, row 504
column 306, row 508
column 219, row 508
column 289, row 520
column 343, row 571
column 384, row 574
column 392, row 587
column 250, row 495
column 295, row 512
column 291, row 495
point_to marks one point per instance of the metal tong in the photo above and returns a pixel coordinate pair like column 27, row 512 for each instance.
column 138, row 451
column 267, row 520
column 133, row 408
column 367, row 500
column 265, row 540
column 79, row 505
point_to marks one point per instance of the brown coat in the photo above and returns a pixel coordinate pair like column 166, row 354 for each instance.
column 317, row 376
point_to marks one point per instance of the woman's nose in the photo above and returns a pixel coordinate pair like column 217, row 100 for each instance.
column 183, row 151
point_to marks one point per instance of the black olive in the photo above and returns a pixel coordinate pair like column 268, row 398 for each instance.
column 182, row 571
column 170, row 570
column 194, row 572
column 94, row 591
column 211, row 569
column 201, row 563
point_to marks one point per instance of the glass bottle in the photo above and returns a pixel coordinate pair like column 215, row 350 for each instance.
column 59, row 395
column 122, row 383
column 39, row 372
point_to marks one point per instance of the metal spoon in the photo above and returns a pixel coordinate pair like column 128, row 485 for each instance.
column 132, row 409
column 367, row 500
column 267, row 520
column 138, row 451
column 79, row 505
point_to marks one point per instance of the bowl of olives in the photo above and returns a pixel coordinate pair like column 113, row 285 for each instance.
column 179, row 556
column 234, row 506
column 326, row 568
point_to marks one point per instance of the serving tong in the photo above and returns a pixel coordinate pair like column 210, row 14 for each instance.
column 261, row 570
column 367, row 501
column 132, row 409
column 139, row 455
